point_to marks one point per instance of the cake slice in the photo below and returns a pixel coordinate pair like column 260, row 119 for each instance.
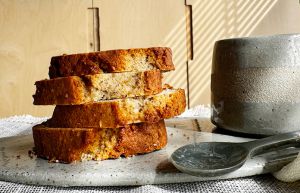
column 90, row 88
column 77, row 144
column 139, row 59
column 120, row 112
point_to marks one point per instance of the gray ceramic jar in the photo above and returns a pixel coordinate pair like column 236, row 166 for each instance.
column 255, row 84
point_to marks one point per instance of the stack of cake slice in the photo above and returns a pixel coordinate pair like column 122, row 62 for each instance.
column 108, row 104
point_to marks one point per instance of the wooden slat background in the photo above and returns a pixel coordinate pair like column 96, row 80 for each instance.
column 31, row 31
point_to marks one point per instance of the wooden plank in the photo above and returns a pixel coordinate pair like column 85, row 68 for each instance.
column 213, row 20
column 284, row 17
column 31, row 32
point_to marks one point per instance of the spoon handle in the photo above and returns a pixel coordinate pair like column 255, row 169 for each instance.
column 262, row 145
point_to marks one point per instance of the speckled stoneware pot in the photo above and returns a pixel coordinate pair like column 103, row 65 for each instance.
column 256, row 84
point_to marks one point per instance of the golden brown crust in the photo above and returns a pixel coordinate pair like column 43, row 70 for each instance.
column 174, row 106
column 142, row 138
column 70, row 144
column 111, row 61
column 70, row 90
column 117, row 113
column 78, row 90
column 152, row 82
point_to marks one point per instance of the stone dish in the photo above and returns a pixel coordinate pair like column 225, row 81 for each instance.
column 154, row 168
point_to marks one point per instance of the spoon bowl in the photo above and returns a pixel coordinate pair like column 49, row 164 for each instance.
column 209, row 158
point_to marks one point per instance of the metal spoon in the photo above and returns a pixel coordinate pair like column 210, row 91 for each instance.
column 218, row 158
